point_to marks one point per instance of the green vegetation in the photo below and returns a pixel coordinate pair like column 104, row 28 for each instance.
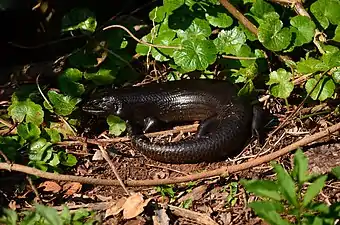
column 288, row 196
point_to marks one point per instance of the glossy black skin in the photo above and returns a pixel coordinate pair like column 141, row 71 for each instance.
column 226, row 120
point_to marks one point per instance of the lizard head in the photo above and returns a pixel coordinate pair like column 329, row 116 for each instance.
column 103, row 106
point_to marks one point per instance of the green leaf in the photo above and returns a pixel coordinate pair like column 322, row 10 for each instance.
column 280, row 84
column 317, row 221
column 9, row 217
column 38, row 149
column 268, row 211
column 263, row 188
column 247, row 88
column 286, row 184
column 158, row 14
column 101, row 77
column 50, row 214
column 171, row 5
column 67, row 159
column 143, row 49
column 164, row 39
column 246, row 74
column 195, row 54
column 309, row 65
column 68, row 82
column 323, row 90
column 54, row 161
column 337, row 34
column 304, row 28
column 260, row 8
column 217, row 17
column 300, row 171
column 53, row 134
column 319, row 207
column 250, row 35
column 63, row 105
column 82, row 19
column 28, row 131
column 230, row 41
column 314, row 189
column 198, row 29
column 336, row 172
column 271, row 34
column 326, row 11
column 62, row 128
column 330, row 60
column 9, row 146
column 26, row 110
column 116, row 125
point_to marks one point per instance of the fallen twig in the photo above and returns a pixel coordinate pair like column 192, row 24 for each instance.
column 192, row 177
column 81, row 141
column 107, row 158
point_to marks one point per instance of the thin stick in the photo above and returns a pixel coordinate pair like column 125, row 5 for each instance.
column 107, row 158
column 207, row 174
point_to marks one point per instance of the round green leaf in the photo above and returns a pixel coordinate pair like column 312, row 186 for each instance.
column 53, row 134
column 171, row 5
column 195, row 55
column 199, row 29
column 217, row 17
column 68, row 82
column 116, row 125
column 158, row 14
column 309, row 65
column 260, row 8
column 304, row 28
column 67, row 159
column 28, row 131
column 318, row 9
column 230, row 41
column 164, row 54
column 38, row 149
column 280, row 84
column 101, row 77
column 28, row 110
column 54, row 161
column 271, row 34
column 325, row 88
column 63, row 105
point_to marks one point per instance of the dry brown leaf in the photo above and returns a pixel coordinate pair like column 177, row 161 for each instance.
column 134, row 205
column 50, row 186
column 115, row 207
column 97, row 156
column 72, row 188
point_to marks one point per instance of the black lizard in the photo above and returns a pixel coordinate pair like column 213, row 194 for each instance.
column 226, row 124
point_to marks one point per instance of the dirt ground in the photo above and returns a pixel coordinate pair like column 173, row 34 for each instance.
column 218, row 200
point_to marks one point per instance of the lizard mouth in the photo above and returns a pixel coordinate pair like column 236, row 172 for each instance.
column 93, row 110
